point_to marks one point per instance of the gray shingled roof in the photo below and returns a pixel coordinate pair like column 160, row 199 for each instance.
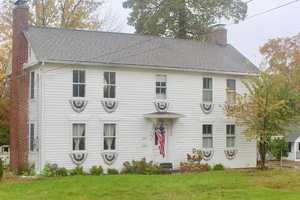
column 61, row 45
column 292, row 137
column 293, row 133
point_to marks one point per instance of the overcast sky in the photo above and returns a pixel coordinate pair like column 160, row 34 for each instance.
column 247, row 36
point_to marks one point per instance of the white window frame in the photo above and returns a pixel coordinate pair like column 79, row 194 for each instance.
column 229, row 135
column 30, row 137
column 208, row 135
column 230, row 91
column 86, row 134
column 116, row 136
column 78, row 83
column 159, row 95
column 32, row 85
column 208, row 90
column 109, row 85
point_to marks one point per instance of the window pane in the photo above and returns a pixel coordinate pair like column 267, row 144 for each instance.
column 207, row 143
column 106, row 77
column 163, row 84
column 32, row 76
column 78, row 144
column 230, row 142
column 207, row 129
column 109, row 143
column 78, row 130
column 75, row 76
column 81, row 90
column 207, row 83
column 157, row 90
column 105, row 92
column 231, row 97
column 112, row 91
column 207, row 96
column 112, row 78
column 230, row 129
column 31, row 137
column 109, row 129
column 82, row 76
column 289, row 147
column 75, row 90
column 231, row 84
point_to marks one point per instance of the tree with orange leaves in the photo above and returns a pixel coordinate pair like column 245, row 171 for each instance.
column 283, row 57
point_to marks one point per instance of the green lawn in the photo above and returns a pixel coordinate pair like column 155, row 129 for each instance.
column 211, row 185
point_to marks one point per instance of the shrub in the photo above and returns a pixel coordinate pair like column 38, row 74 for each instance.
column 112, row 171
column 140, row 167
column 1, row 169
column 218, row 167
column 78, row 171
column 26, row 169
column 278, row 147
column 62, row 172
column 96, row 171
column 49, row 170
column 193, row 167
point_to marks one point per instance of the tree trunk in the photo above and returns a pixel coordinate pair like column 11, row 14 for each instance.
column 262, row 153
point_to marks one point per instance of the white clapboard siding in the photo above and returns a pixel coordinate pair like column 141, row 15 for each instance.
column 135, row 93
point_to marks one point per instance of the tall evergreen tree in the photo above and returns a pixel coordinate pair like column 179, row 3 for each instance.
column 187, row 19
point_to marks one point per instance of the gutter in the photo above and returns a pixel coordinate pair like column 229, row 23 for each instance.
column 28, row 65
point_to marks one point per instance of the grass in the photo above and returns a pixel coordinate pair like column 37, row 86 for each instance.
column 231, row 185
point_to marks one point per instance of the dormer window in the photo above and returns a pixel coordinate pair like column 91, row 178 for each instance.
column 109, row 90
column 207, row 90
column 161, row 86
column 78, row 83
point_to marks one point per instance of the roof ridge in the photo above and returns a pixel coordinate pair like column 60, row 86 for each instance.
column 122, row 33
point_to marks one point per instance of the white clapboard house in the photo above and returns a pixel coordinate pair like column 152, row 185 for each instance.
column 102, row 98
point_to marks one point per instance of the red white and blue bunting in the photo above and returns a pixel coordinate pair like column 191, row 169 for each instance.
column 109, row 157
column 161, row 105
column 207, row 107
column 78, row 105
column 230, row 153
column 78, row 158
column 207, row 154
column 110, row 105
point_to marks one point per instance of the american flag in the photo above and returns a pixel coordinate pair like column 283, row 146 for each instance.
column 160, row 134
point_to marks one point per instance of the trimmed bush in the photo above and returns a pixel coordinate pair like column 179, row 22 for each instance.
column 96, row 171
column 62, row 172
column 193, row 167
column 112, row 172
column 218, row 167
column 1, row 169
column 78, row 171
column 140, row 167
column 49, row 170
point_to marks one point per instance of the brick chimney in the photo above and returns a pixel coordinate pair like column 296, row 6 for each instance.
column 19, row 88
column 218, row 35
